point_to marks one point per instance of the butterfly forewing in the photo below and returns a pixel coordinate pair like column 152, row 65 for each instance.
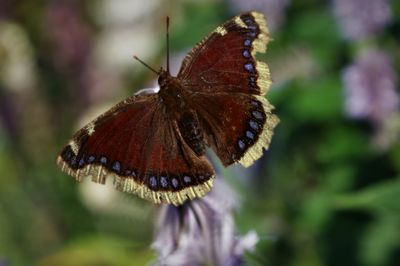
column 137, row 145
column 225, row 60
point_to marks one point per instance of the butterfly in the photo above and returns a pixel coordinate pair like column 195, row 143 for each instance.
column 153, row 145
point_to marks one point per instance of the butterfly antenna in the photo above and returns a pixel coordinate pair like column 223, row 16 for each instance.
column 168, row 44
column 146, row 65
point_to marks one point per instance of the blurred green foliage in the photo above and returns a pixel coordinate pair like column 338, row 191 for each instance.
column 322, row 195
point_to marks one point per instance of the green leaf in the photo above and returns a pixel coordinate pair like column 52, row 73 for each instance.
column 317, row 100
column 342, row 143
column 381, row 198
column 380, row 241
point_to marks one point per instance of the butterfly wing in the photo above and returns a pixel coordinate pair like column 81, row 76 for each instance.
column 237, row 126
column 228, row 85
column 225, row 60
column 141, row 148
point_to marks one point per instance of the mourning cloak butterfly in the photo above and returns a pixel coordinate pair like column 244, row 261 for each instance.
column 153, row 145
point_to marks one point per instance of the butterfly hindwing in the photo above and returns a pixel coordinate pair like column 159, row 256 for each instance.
column 225, row 60
column 238, row 126
column 142, row 150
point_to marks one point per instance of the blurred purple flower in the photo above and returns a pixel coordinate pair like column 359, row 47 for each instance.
column 69, row 36
column 274, row 10
column 68, row 33
column 370, row 87
column 361, row 18
column 202, row 232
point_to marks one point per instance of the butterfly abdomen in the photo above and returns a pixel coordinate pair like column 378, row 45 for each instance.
column 191, row 132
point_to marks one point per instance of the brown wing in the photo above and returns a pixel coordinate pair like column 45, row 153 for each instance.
column 228, row 85
column 225, row 60
column 237, row 126
column 141, row 148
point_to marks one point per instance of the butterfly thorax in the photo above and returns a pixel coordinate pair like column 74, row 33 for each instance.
column 176, row 101
column 172, row 94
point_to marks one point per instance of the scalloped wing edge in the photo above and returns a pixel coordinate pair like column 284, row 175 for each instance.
column 264, row 82
column 99, row 174
column 264, row 139
column 259, row 45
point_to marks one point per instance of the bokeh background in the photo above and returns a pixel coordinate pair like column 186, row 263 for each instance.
column 326, row 193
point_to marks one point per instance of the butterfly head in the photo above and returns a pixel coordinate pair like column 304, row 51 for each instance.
column 164, row 78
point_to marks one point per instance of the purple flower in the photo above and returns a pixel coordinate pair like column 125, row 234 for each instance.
column 68, row 32
column 273, row 9
column 370, row 87
column 361, row 18
column 202, row 232
column 69, row 35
